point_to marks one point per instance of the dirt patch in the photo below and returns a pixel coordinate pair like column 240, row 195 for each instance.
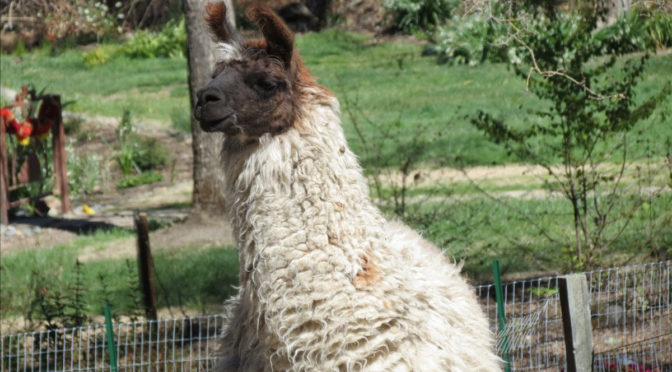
column 167, row 203
column 527, row 178
column 514, row 180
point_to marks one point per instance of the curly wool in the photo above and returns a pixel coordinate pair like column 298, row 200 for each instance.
column 326, row 283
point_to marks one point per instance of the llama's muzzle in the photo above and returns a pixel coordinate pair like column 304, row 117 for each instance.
column 211, row 110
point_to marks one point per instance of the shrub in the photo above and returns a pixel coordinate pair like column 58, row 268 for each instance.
column 96, row 57
column 171, row 41
column 590, row 121
column 149, row 154
column 411, row 15
column 470, row 40
column 637, row 31
column 474, row 38
column 83, row 173
column 660, row 30
column 137, row 153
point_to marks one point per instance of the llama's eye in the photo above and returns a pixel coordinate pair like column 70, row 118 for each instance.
column 266, row 85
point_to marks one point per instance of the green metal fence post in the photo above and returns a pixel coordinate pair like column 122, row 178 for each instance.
column 501, row 316
column 111, row 348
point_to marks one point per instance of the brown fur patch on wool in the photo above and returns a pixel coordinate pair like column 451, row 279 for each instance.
column 368, row 275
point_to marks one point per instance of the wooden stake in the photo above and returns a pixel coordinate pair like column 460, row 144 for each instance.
column 575, row 303
column 4, row 179
column 60, row 163
column 145, row 265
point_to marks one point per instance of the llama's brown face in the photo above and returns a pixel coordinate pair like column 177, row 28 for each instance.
column 253, row 88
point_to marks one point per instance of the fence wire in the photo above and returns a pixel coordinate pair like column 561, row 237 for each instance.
column 188, row 344
column 534, row 330
column 631, row 316
column 630, row 313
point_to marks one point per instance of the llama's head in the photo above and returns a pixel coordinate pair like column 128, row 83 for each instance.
column 257, row 85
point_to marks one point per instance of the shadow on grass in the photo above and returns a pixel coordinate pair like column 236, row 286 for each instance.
column 75, row 225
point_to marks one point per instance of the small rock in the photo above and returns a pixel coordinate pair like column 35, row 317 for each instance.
column 54, row 205
column 11, row 231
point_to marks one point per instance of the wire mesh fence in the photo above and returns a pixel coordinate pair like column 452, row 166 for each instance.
column 534, row 332
column 631, row 316
column 630, row 312
column 187, row 344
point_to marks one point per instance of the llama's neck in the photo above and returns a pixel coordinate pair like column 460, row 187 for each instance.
column 297, row 194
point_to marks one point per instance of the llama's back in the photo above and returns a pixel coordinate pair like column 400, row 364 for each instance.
column 448, row 331
column 417, row 314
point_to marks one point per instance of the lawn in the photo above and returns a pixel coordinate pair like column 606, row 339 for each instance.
column 386, row 84
column 531, row 234
column 51, row 275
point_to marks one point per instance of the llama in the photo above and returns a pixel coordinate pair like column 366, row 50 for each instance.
column 326, row 283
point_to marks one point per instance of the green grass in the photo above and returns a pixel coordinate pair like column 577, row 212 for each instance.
column 391, row 83
column 179, row 281
column 531, row 235
column 387, row 84
column 150, row 88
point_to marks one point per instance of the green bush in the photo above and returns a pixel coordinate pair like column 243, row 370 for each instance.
column 637, row 31
column 471, row 40
column 149, row 154
column 660, row 30
column 171, row 41
column 137, row 153
column 593, row 117
column 475, row 38
column 83, row 173
column 412, row 15
column 96, row 57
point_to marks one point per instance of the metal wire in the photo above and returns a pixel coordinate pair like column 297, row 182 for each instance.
column 630, row 312
column 631, row 316
column 187, row 344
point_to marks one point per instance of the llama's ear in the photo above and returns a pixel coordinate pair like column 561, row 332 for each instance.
column 220, row 27
column 279, row 39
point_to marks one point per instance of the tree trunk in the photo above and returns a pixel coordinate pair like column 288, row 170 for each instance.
column 208, row 195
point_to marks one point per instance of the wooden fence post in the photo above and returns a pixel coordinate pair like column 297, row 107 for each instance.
column 4, row 178
column 575, row 303
column 60, row 163
column 145, row 265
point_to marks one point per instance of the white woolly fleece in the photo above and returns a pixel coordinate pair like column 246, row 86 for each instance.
column 326, row 283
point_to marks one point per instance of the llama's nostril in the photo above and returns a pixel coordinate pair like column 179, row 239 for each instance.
column 210, row 95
